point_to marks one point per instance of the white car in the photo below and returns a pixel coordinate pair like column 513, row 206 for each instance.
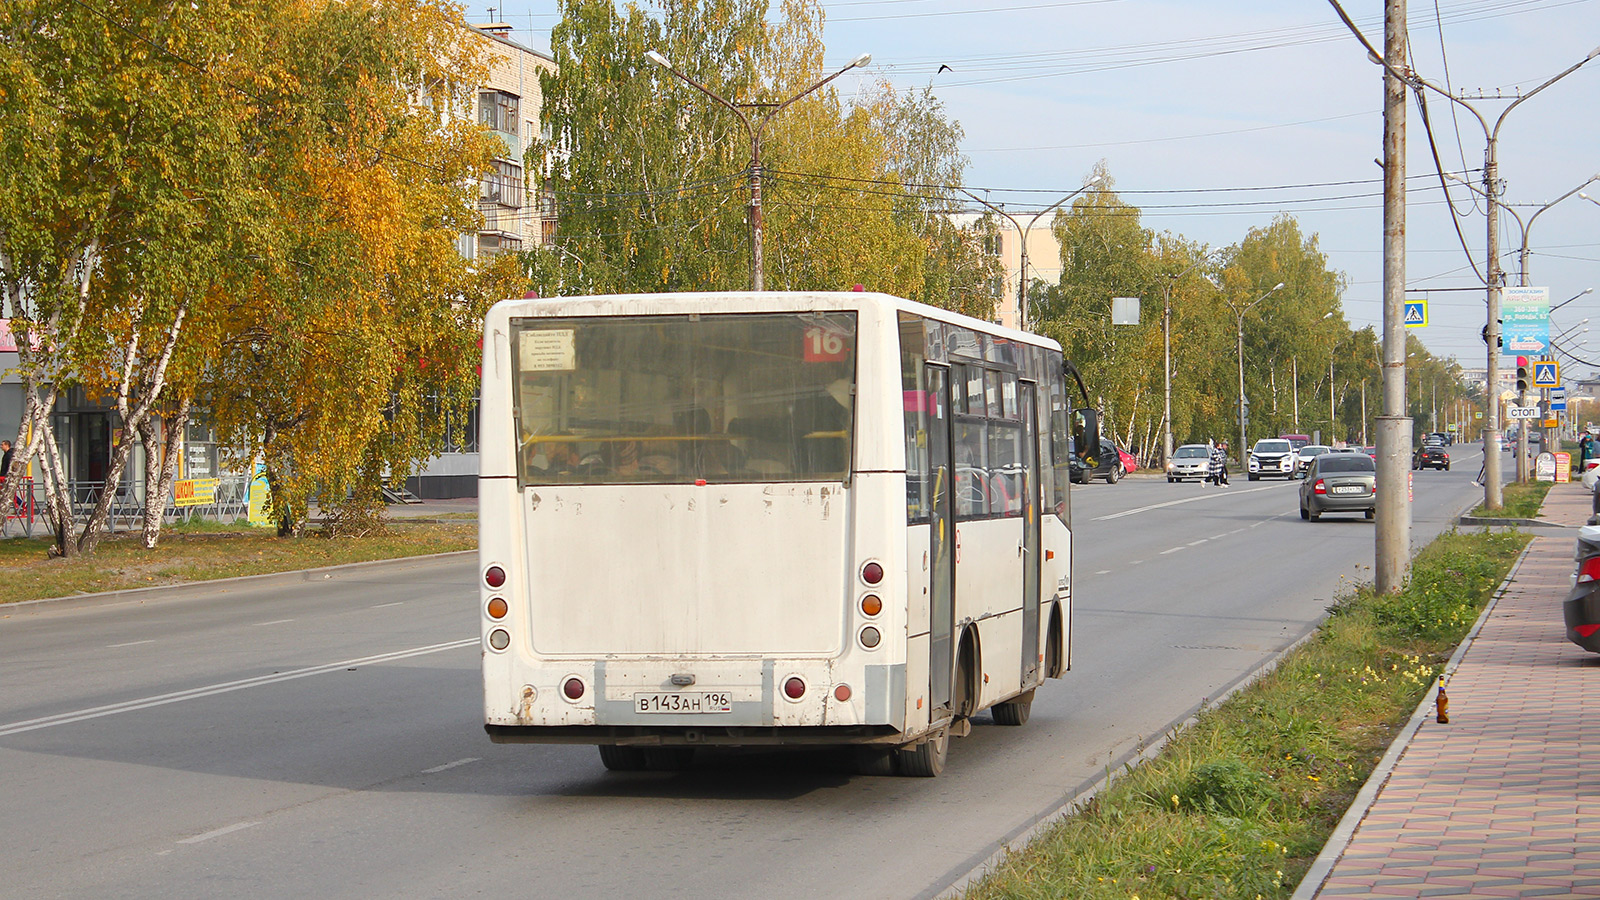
column 1306, row 454
column 1188, row 461
column 1271, row 458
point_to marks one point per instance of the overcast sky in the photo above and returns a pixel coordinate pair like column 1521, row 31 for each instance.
column 1190, row 102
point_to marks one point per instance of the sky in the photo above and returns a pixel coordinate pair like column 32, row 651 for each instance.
column 1215, row 117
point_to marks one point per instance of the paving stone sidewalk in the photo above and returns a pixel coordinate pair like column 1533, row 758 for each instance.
column 1504, row 801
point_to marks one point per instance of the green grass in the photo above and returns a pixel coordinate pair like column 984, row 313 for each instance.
column 207, row 551
column 1241, row 803
column 1519, row 500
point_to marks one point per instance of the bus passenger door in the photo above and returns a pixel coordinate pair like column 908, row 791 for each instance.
column 941, row 577
column 1030, row 534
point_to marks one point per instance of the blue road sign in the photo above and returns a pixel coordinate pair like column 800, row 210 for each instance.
column 1544, row 374
column 1416, row 315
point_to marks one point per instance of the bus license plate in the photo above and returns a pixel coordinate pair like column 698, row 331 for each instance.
column 699, row 702
column 1349, row 489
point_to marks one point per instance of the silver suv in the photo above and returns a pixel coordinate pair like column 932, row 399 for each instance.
column 1271, row 457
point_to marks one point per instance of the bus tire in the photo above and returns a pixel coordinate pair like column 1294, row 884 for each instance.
column 668, row 759
column 622, row 759
column 1054, row 659
column 924, row 759
column 1014, row 711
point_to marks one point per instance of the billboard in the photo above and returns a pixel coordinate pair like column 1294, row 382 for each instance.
column 1525, row 321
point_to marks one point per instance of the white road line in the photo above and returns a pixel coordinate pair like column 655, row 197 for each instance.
column 387, row 605
column 273, row 622
column 1137, row 562
column 450, row 765
column 1199, row 542
column 227, row 829
column 1140, row 509
column 1218, row 537
column 225, row 687
column 128, row 644
column 1173, row 550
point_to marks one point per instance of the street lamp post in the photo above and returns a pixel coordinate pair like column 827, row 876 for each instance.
column 1166, row 354
column 766, row 112
column 1022, row 240
column 1239, row 332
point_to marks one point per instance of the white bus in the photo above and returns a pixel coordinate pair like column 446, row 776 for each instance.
column 769, row 518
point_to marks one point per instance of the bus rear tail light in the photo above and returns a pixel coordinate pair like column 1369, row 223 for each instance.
column 841, row 693
column 872, row 573
column 572, row 688
column 497, row 608
column 871, row 605
column 494, row 576
column 794, row 688
column 870, row 637
column 499, row 639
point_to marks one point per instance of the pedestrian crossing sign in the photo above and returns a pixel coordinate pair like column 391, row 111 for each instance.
column 1545, row 372
column 1416, row 314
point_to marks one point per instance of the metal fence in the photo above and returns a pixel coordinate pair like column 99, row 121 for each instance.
column 229, row 502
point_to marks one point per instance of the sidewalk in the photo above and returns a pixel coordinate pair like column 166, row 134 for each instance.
column 1494, row 804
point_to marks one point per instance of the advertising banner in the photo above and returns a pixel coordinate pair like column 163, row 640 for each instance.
column 1525, row 321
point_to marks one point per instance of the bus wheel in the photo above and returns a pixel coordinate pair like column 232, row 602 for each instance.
column 668, row 759
column 1014, row 711
column 925, row 759
column 622, row 759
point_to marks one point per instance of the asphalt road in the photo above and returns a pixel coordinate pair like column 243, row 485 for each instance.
column 323, row 739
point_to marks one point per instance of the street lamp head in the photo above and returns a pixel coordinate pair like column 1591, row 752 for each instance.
column 861, row 61
column 658, row 59
column 1278, row 286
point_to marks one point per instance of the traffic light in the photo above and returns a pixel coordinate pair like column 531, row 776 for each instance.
column 1522, row 374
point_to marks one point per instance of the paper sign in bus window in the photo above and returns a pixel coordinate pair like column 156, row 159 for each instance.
column 548, row 351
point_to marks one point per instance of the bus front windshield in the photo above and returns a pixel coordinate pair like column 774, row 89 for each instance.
column 678, row 399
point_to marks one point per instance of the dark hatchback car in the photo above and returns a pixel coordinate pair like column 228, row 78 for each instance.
column 1108, row 466
column 1582, row 607
column 1340, row 482
column 1431, row 456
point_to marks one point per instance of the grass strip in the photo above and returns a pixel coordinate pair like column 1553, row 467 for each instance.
column 1519, row 500
column 206, row 552
column 1240, row 804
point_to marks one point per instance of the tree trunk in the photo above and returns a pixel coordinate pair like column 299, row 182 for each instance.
column 94, row 527
column 155, row 504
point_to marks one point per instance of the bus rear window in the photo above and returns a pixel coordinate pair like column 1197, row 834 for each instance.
column 679, row 399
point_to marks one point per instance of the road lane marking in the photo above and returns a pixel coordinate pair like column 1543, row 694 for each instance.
column 273, row 622
column 1103, row 572
column 1173, row 550
column 450, row 765
column 387, row 605
column 1140, row 509
column 128, row 644
column 228, row 829
column 225, row 687
column 1218, row 537
column 1199, row 542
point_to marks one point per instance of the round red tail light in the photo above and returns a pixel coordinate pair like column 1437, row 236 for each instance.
column 872, row 573
column 841, row 693
column 494, row 576
column 794, row 688
column 573, row 688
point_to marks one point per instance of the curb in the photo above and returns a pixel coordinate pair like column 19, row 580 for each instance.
column 953, row 885
column 1513, row 523
column 1345, row 831
column 194, row 588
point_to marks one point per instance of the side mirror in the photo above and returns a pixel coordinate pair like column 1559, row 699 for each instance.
column 1086, row 436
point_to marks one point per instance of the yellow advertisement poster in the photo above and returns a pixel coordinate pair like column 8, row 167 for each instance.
column 260, row 498
column 194, row 492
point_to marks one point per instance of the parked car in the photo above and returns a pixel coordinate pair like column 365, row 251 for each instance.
column 1370, row 451
column 1581, row 610
column 1272, row 457
column 1431, row 455
column 1130, row 463
column 1297, row 440
column 1340, row 482
column 1108, row 466
column 1188, row 461
column 1303, row 458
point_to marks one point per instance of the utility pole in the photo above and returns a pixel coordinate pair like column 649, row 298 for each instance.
column 1392, row 546
column 1022, row 238
column 766, row 112
column 1166, row 356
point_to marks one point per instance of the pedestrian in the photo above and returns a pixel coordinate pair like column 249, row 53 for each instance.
column 1217, row 467
column 5, row 460
column 1585, row 450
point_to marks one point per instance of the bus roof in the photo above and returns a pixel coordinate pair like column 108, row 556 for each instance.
column 750, row 301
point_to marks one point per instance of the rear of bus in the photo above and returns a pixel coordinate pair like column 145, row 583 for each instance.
column 680, row 518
